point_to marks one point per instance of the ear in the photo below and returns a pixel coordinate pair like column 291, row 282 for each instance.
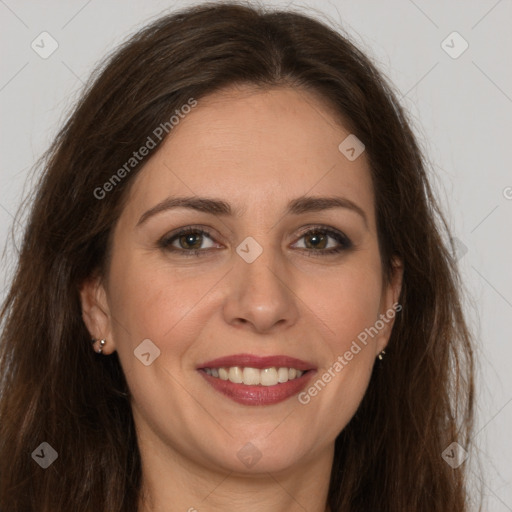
column 96, row 312
column 389, row 304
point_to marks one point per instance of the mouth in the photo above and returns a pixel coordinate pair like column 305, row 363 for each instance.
column 254, row 380
column 253, row 376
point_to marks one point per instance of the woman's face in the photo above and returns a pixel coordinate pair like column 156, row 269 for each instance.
column 262, row 281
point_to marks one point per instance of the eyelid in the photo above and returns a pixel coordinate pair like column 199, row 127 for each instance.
column 168, row 238
column 343, row 241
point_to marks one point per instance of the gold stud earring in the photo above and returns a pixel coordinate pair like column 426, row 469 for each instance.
column 381, row 354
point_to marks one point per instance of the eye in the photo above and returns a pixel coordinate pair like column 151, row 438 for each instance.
column 319, row 241
column 324, row 241
column 188, row 241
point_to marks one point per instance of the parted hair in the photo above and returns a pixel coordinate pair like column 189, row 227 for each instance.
column 54, row 388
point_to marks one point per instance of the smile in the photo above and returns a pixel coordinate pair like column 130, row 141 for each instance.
column 253, row 376
column 254, row 380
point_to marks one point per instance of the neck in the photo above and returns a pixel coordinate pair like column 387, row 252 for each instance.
column 171, row 481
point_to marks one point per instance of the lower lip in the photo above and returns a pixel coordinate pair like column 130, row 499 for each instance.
column 258, row 395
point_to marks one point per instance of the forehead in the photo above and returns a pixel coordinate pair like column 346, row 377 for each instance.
column 255, row 147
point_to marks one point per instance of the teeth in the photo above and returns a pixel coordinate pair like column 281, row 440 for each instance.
column 254, row 376
column 268, row 377
column 251, row 376
column 283, row 374
column 235, row 375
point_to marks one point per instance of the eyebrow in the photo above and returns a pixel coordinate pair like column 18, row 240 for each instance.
column 214, row 206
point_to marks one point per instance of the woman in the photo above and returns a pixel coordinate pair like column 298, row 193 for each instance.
column 238, row 215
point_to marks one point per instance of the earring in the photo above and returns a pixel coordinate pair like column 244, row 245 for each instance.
column 381, row 354
column 102, row 344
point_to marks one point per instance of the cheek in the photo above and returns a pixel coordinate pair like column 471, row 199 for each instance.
column 346, row 302
column 156, row 301
column 346, row 305
column 151, row 299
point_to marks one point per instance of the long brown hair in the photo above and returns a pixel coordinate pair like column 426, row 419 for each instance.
column 55, row 389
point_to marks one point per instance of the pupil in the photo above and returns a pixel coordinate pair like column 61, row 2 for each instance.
column 189, row 240
column 319, row 239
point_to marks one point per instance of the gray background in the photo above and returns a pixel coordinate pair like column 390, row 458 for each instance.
column 461, row 110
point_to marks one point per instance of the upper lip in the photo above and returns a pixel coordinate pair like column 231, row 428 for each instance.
column 253, row 361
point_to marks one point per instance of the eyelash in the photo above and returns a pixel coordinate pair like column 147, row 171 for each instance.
column 342, row 239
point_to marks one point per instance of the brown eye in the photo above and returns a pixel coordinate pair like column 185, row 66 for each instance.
column 188, row 241
column 325, row 241
column 317, row 240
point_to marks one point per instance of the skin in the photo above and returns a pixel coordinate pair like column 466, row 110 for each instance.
column 256, row 150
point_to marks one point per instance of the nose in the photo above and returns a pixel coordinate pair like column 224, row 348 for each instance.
column 261, row 295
